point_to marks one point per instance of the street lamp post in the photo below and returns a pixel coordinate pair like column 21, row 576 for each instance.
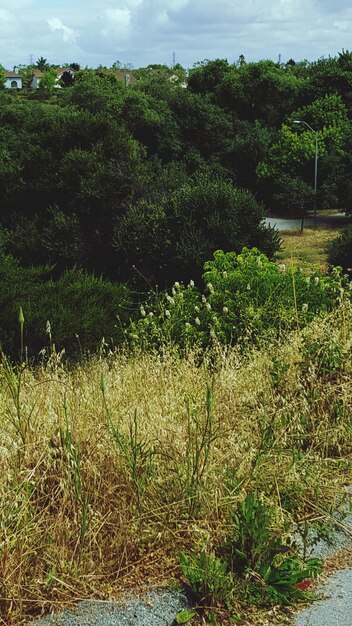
column 315, row 165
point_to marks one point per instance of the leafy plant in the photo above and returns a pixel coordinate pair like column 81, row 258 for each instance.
column 183, row 617
column 247, row 299
column 253, row 562
column 208, row 576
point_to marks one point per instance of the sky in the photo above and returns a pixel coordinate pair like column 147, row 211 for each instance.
column 140, row 32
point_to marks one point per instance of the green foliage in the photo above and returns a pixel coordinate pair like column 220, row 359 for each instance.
column 42, row 64
column 340, row 250
column 207, row 576
column 287, row 171
column 212, row 213
column 253, row 542
column 82, row 309
column 96, row 92
column 173, row 235
column 2, row 78
column 48, row 80
column 247, row 299
column 183, row 617
column 252, row 566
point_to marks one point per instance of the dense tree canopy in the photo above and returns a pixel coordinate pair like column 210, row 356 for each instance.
column 141, row 180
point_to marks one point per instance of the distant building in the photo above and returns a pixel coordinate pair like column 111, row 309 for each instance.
column 13, row 80
column 128, row 77
column 64, row 74
column 35, row 82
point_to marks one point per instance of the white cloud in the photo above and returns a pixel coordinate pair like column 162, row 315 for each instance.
column 6, row 18
column 342, row 25
column 117, row 21
column 68, row 34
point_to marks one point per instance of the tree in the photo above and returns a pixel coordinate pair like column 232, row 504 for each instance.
column 42, row 64
column 291, row 159
column 259, row 91
column 26, row 73
column 211, row 214
column 48, row 81
column 2, row 77
column 98, row 92
column 206, row 77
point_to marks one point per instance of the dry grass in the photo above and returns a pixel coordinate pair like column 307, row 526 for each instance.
column 307, row 248
column 112, row 467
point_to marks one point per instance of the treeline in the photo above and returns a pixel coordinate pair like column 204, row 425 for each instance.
column 140, row 184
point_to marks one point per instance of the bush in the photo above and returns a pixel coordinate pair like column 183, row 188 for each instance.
column 247, row 299
column 171, row 237
column 81, row 309
column 340, row 250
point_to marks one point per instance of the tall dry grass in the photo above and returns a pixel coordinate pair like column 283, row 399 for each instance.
column 111, row 467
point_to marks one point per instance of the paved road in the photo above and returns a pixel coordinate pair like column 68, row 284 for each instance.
column 157, row 608
column 336, row 607
column 281, row 223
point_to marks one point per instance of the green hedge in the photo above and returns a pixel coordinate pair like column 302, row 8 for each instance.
column 82, row 309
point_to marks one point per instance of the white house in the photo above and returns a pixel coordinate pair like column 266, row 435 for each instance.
column 13, row 80
column 34, row 84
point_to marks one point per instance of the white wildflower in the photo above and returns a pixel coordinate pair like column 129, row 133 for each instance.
column 151, row 314
column 282, row 267
column 248, row 287
column 167, row 313
column 210, row 287
column 204, row 298
column 169, row 299
column 191, row 283
column 208, row 305
column 197, row 321
column 188, row 325
column 224, row 274
column 316, row 281
column 260, row 263
column 212, row 333
column 196, row 308
column 142, row 309
column 304, row 307
column 308, row 280
column 173, row 291
column 177, row 285
column 225, row 310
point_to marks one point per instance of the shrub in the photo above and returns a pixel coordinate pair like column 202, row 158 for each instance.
column 81, row 308
column 247, row 299
column 340, row 250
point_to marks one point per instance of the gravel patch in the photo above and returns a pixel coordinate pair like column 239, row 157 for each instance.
column 157, row 608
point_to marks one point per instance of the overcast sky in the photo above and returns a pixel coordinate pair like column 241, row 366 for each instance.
column 140, row 32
